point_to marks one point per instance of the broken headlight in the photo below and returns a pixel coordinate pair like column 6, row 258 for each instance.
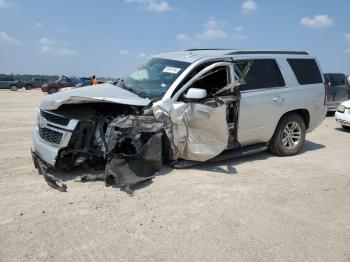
column 341, row 108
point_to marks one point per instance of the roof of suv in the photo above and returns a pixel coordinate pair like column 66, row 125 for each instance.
column 192, row 55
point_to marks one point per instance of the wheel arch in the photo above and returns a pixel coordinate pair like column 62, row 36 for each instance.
column 304, row 113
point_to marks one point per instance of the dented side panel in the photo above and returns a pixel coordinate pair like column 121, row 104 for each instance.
column 199, row 131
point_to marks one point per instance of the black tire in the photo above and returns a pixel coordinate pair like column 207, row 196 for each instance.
column 289, row 135
column 346, row 127
column 52, row 90
column 13, row 88
column 28, row 87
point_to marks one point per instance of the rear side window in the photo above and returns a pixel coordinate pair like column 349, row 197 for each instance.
column 263, row 73
column 306, row 71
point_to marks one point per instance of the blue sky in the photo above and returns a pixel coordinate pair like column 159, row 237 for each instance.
column 110, row 37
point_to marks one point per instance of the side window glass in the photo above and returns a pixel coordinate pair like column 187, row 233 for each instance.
column 306, row 71
column 212, row 81
column 263, row 73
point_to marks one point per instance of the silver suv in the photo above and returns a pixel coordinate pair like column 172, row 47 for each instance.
column 183, row 108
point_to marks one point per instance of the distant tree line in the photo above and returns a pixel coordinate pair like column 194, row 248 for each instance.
column 27, row 77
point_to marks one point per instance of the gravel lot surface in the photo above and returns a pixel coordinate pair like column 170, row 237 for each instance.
column 256, row 208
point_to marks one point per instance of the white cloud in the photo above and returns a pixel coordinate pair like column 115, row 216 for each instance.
column 7, row 40
column 347, row 37
column 213, row 30
column 54, row 47
column 63, row 29
column 124, row 52
column 158, row 7
column 5, row 3
column 248, row 6
column 39, row 24
column 47, row 41
column 317, row 22
column 65, row 51
column 142, row 55
column 183, row 39
column 152, row 5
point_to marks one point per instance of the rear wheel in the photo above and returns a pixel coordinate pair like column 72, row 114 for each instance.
column 28, row 87
column 289, row 136
column 13, row 88
column 52, row 90
column 346, row 127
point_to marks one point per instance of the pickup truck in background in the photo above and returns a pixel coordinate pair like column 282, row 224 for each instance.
column 34, row 83
column 10, row 83
column 338, row 90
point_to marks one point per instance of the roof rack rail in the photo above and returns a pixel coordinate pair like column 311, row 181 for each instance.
column 268, row 53
column 207, row 49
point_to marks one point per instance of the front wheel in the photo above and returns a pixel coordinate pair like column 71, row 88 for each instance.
column 289, row 136
column 28, row 87
column 346, row 127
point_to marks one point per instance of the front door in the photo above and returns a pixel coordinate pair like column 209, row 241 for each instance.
column 200, row 129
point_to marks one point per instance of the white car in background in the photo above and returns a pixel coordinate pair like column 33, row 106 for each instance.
column 342, row 116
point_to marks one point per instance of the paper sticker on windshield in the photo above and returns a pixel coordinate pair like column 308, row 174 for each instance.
column 171, row 70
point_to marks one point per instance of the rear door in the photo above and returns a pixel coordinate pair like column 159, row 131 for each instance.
column 262, row 101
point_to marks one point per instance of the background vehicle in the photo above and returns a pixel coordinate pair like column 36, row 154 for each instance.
column 342, row 115
column 338, row 89
column 55, row 86
column 10, row 83
column 34, row 83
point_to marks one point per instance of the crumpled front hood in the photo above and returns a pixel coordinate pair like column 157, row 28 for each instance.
column 93, row 94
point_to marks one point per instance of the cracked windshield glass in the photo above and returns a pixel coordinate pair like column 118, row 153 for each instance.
column 152, row 79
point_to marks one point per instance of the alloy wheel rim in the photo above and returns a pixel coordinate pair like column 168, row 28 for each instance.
column 291, row 135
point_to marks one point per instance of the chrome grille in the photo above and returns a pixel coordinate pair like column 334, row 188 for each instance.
column 60, row 120
column 50, row 135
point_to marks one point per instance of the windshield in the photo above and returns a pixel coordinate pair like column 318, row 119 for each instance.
column 152, row 79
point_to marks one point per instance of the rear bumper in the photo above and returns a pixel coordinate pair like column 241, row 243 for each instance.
column 317, row 117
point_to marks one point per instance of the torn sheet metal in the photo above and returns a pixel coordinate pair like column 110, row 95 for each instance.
column 199, row 131
column 130, row 170
column 90, row 94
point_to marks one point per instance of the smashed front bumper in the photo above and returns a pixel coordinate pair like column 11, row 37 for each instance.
column 44, row 169
column 45, row 151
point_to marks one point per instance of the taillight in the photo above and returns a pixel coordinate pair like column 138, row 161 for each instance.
column 325, row 94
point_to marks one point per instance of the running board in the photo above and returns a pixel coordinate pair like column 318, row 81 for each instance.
column 226, row 155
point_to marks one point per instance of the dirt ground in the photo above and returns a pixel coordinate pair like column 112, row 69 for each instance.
column 256, row 208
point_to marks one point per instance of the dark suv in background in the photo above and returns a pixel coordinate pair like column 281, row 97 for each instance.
column 34, row 83
column 338, row 90
column 10, row 83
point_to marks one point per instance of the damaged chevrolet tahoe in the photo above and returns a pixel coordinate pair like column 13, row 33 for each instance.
column 182, row 108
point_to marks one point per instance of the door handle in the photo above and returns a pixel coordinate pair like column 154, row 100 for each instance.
column 278, row 99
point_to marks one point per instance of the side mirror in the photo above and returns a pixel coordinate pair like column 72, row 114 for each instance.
column 196, row 94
